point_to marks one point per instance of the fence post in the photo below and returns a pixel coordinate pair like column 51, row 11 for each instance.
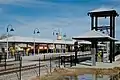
column 64, row 60
column 50, row 65
column 44, row 57
column 59, row 61
column 5, row 60
column 39, row 67
column 20, row 68
column 71, row 60
column 0, row 57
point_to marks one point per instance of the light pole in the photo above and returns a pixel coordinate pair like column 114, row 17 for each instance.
column 9, row 26
column 54, row 33
column 36, row 29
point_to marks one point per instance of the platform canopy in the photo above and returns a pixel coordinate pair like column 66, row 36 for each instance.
column 94, row 36
column 103, row 12
column 19, row 39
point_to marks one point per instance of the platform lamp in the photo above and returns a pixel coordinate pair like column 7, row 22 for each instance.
column 36, row 30
column 8, row 30
column 55, row 32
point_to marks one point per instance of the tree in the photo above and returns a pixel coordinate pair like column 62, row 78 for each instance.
column 3, row 36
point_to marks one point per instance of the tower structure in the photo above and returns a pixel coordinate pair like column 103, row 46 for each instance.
column 111, row 14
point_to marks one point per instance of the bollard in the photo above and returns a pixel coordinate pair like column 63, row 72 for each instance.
column 39, row 67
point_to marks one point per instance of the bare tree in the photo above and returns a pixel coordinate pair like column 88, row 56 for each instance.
column 3, row 36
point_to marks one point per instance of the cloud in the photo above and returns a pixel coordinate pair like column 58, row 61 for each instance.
column 71, row 26
column 26, row 3
column 69, row 18
column 1, row 10
column 13, row 1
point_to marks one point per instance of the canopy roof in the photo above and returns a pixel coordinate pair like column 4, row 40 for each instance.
column 19, row 39
column 94, row 36
column 102, row 9
column 102, row 12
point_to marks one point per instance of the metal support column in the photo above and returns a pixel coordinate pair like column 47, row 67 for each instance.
column 96, row 25
column 5, row 56
column 113, row 28
column 50, row 65
column 93, row 52
column 92, row 22
column 39, row 66
column 111, row 49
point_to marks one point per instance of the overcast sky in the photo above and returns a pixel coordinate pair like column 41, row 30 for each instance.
column 69, row 16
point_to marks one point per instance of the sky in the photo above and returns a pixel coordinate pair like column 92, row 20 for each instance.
column 68, row 16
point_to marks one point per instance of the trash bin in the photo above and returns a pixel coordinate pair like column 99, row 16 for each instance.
column 17, row 57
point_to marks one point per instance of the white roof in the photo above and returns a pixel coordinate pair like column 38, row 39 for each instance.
column 37, row 40
column 94, row 35
column 102, row 9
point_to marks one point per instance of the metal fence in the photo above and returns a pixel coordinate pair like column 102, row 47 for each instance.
column 26, row 67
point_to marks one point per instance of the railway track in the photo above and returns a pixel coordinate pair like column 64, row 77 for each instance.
column 17, row 69
column 27, row 67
